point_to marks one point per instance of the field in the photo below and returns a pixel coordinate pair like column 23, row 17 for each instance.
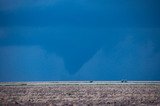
column 79, row 93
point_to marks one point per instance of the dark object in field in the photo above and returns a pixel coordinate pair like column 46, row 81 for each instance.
column 123, row 81
column 91, row 81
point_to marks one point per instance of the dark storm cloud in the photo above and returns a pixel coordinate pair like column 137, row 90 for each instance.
column 74, row 45
column 76, row 29
column 81, row 13
column 129, row 59
column 30, row 63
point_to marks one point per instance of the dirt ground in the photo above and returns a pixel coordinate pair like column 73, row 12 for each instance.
column 81, row 95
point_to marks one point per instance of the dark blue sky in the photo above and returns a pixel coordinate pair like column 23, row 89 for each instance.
column 79, row 40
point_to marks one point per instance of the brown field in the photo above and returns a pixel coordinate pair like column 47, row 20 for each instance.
column 80, row 95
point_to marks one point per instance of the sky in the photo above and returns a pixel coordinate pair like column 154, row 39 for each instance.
column 57, row 40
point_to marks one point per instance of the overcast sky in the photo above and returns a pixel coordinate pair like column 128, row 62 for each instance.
column 79, row 40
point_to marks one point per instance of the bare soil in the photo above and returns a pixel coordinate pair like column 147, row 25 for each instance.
column 81, row 95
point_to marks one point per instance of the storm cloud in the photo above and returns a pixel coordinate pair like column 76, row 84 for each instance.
column 72, row 32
